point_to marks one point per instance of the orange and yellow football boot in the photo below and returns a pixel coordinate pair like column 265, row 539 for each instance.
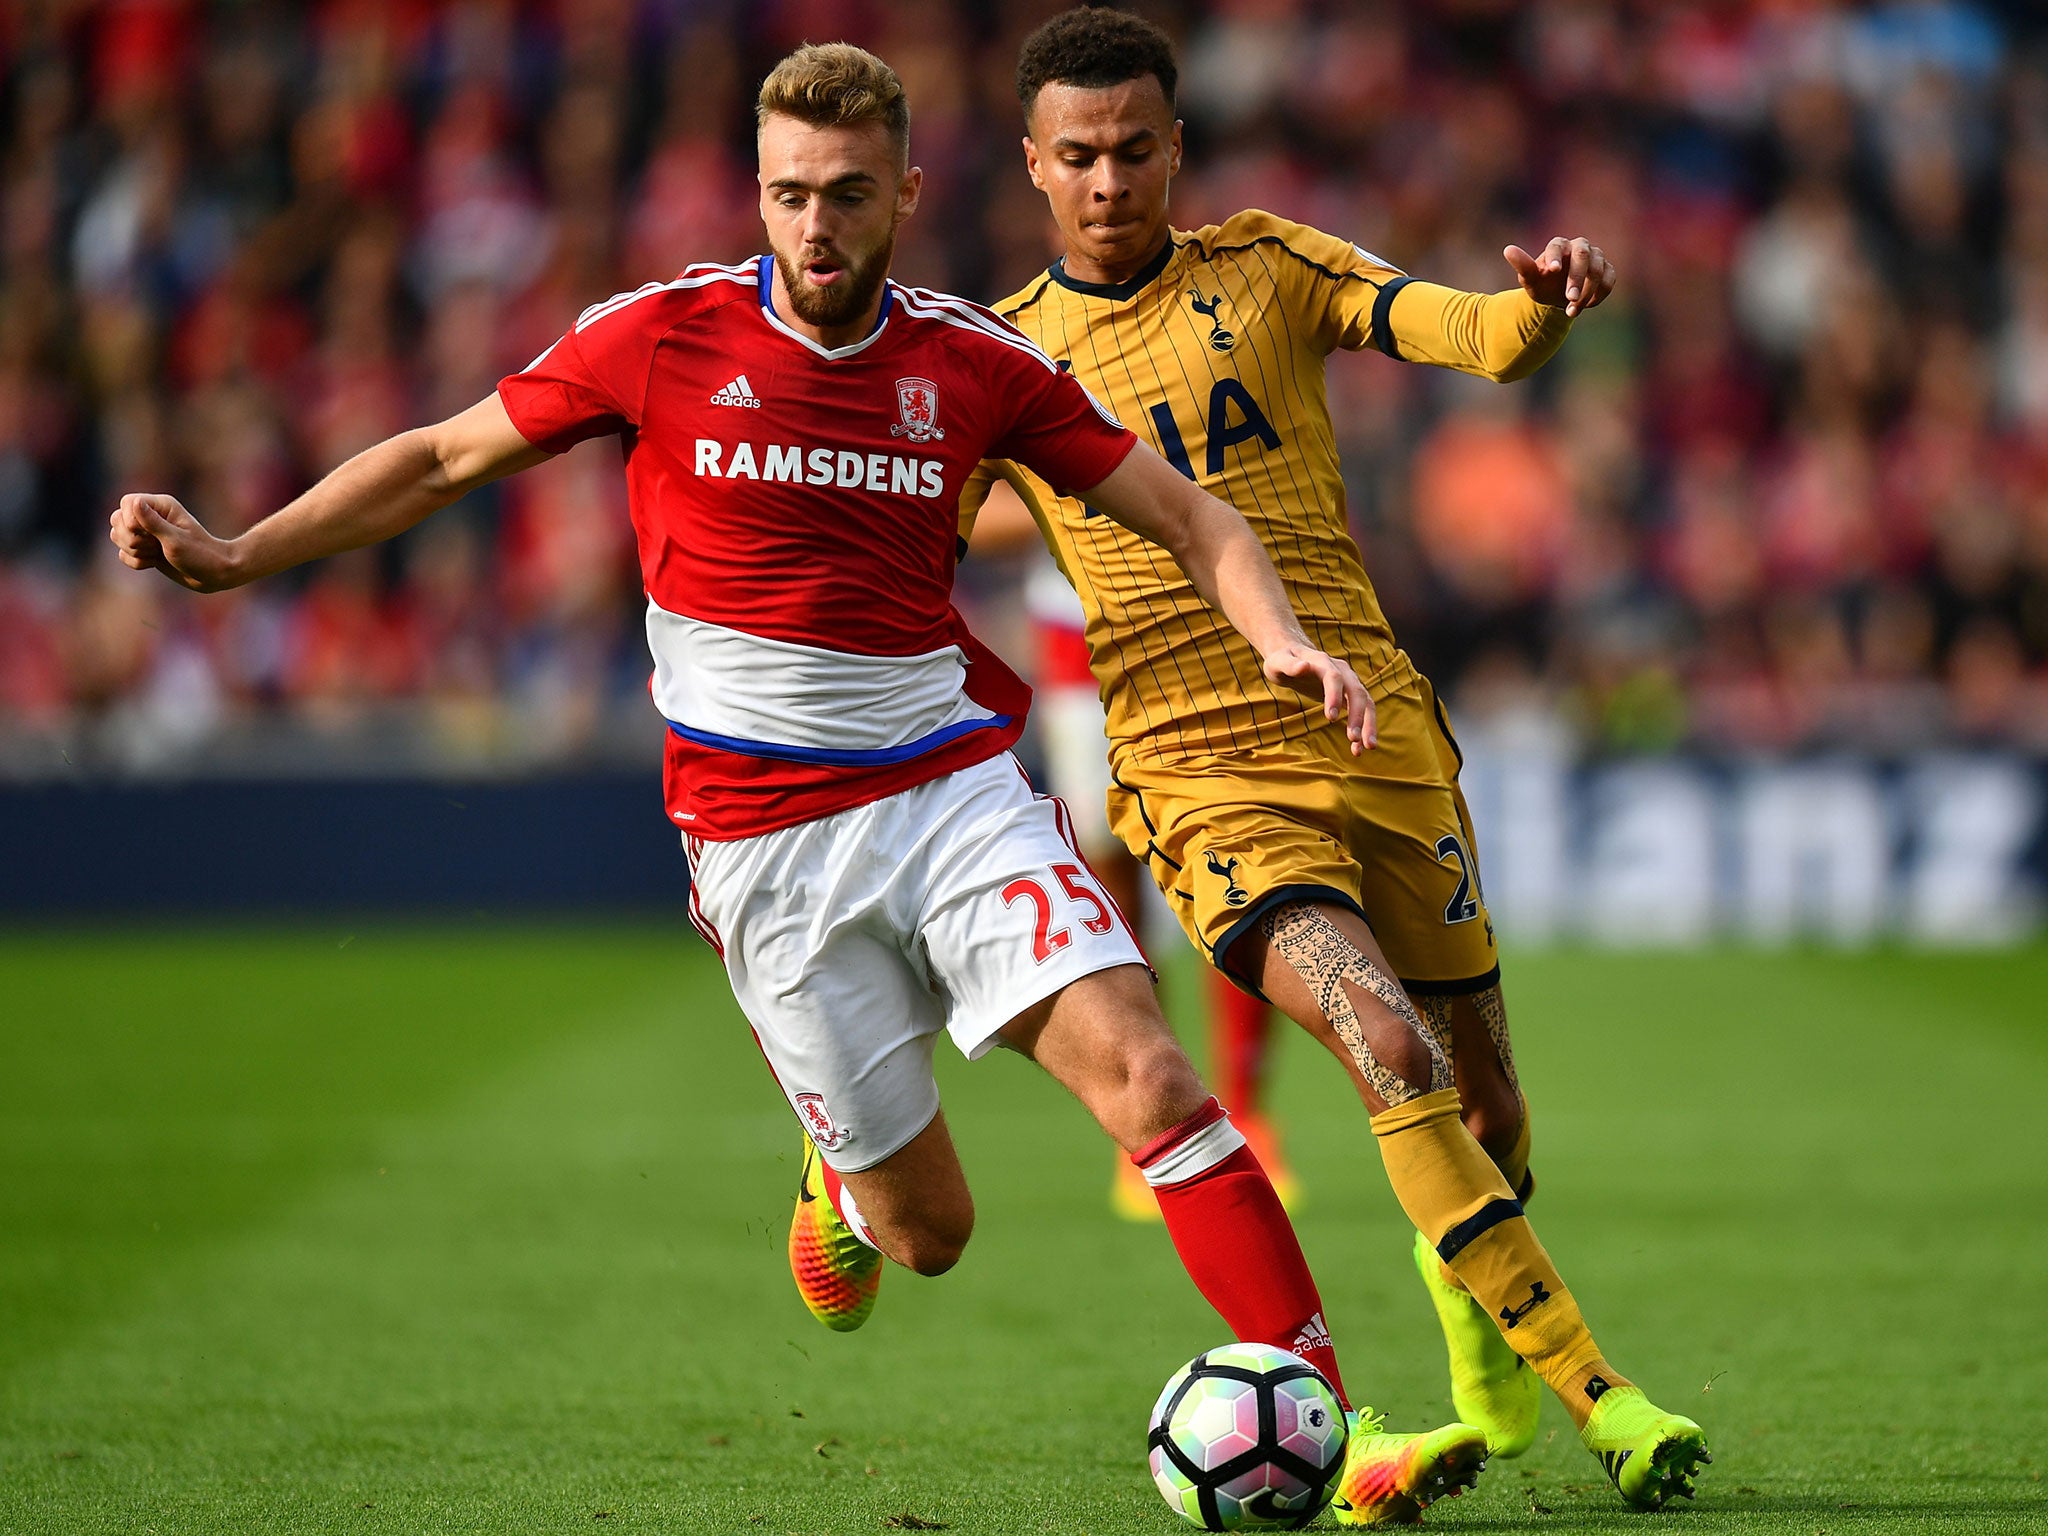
column 1391, row 1479
column 836, row 1273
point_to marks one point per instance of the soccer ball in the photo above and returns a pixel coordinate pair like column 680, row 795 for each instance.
column 1247, row 1437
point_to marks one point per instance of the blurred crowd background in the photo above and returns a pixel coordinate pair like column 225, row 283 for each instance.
column 1788, row 490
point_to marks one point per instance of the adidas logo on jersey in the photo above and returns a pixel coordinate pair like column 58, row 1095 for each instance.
column 738, row 392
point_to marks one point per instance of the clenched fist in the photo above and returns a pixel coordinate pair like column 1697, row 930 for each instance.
column 153, row 532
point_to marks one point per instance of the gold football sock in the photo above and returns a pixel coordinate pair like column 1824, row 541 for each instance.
column 1514, row 1167
column 1456, row 1197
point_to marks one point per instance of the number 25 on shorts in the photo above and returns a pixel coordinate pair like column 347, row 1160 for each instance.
column 1046, row 940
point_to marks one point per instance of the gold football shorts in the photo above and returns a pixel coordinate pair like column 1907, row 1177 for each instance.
column 1385, row 834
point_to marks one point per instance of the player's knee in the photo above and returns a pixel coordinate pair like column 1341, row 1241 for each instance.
column 1493, row 1116
column 1162, row 1077
column 1412, row 1057
column 931, row 1253
column 934, row 1243
column 1158, row 1089
column 1494, row 1125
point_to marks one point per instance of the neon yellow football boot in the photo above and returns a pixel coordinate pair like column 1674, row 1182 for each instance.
column 836, row 1273
column 1492, row 1387
column 1391, row 1479
column 1651, row 1455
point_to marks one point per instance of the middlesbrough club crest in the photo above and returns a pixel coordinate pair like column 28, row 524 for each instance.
column 817, row 1119
column 917, row 402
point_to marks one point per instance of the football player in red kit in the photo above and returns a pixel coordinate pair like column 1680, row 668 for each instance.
column 866, row 856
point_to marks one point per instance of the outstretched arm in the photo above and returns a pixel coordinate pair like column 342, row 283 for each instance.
column 376, row 495
column 1501, row 336
column 1216, row 548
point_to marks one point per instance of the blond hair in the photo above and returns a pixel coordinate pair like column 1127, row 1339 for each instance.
column 833, row 85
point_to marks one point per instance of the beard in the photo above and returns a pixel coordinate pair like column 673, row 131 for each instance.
column 845, row 300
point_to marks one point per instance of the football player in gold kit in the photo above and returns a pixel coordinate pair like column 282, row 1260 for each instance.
column 1343, row 888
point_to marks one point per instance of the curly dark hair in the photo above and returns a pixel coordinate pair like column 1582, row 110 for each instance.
column 1091, row 47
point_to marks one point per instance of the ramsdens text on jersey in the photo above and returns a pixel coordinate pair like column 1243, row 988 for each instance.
column 891, row 473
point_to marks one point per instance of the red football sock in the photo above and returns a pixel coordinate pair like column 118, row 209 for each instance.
column 1234, row 1239
column 1238, row 1026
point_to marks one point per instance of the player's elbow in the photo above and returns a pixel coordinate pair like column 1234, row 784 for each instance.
column 1208, row 528
column 1182, row 533
column 1515, row 368
column 436, row 457
column 474, row 447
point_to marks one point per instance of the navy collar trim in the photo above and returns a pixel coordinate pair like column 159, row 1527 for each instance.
column 765, row 287
column 1130, row 288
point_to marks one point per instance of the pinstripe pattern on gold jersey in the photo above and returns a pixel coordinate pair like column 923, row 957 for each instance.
column 1176, row 679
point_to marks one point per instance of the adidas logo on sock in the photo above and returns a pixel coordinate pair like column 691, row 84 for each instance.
column 1313, row 1335
column 738, row 392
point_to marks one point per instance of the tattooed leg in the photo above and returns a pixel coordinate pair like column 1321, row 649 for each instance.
column 1493, row 1013
column 1484, row 1061
column 1327, row 977
column 1322, row 966
column 1437, row 1014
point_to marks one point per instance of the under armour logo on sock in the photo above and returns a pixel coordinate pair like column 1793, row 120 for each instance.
column 1509, row 1316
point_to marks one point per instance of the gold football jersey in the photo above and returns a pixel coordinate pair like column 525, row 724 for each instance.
column 1215, row 354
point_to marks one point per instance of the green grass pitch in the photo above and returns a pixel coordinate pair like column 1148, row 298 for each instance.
column 480, row 1229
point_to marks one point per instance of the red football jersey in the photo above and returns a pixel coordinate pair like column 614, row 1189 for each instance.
column 795, row 510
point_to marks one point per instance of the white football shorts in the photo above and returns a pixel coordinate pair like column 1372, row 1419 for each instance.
column 853, row 940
